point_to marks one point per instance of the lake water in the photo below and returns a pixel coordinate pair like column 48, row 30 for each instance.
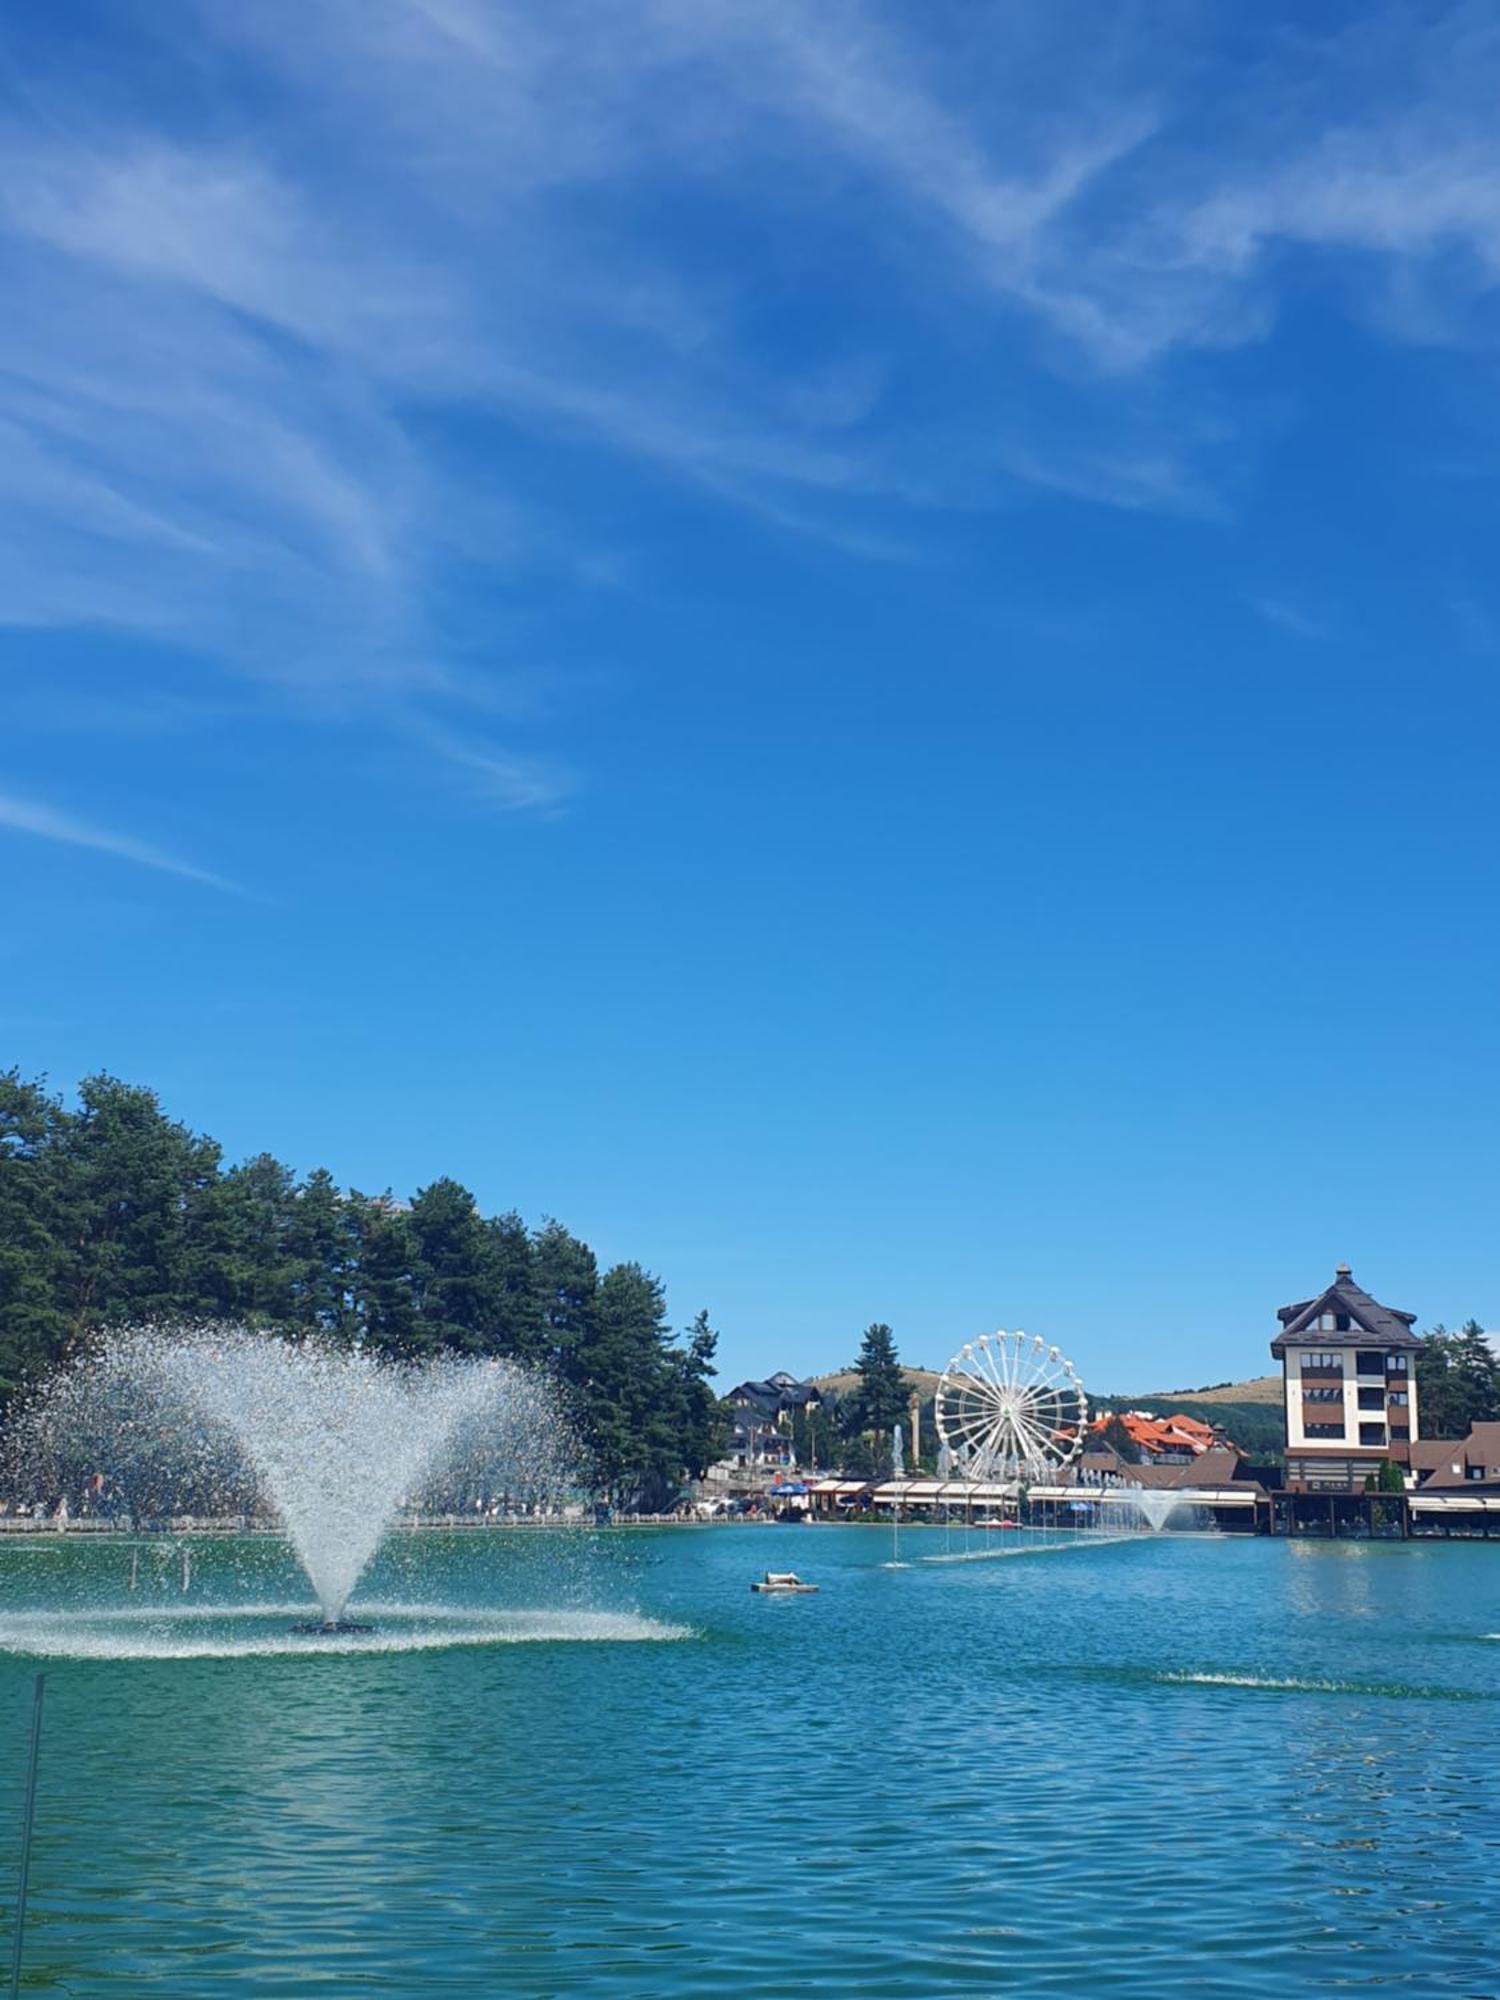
column 597, row 1765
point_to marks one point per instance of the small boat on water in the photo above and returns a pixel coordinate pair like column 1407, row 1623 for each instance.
column 785, row 1583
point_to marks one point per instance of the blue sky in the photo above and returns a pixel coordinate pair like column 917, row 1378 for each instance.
column 851, row 645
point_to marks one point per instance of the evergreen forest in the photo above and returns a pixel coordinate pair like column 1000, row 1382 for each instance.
column 112, row 1213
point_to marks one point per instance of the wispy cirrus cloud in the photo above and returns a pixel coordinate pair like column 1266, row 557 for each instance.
column 1293, row 618
column 304, row 314
column 43, row 822
column 496, row 776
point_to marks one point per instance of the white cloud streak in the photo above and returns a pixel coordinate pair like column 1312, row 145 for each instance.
column 44, row 822
column 499, row 777
column 1292, row 618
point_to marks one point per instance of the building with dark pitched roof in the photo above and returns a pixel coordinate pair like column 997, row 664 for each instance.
column 760, row 1414
column 1349, row 1382
column 1449, row 1464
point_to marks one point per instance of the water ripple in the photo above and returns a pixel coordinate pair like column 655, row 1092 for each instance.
column 1178, row 1768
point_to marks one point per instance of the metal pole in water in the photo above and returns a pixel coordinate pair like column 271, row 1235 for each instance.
column 28, row 1815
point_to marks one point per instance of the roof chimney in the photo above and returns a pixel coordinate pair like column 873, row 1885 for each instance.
column 1342, row 1271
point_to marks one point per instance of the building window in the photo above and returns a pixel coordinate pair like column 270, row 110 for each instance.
column 1327, row 1323
column 1323, row 1430
column 1372, row 1433
column 1341, row 1323
column 1395, row 1364
column 1372, row 1399
column 1329, row 1395
column 1370, row 1364
column 1400, row 1434
column 1473, row 1472
column 1399, row 1399
column 1322, row 1364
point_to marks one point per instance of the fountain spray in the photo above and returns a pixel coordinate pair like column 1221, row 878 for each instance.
column 898, row 1472
column 330, row 1440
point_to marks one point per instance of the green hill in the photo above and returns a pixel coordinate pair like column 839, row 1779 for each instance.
column 1254, row 1425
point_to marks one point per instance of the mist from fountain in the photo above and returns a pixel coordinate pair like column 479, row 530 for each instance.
column 329, row 1439
column 1154, row 1505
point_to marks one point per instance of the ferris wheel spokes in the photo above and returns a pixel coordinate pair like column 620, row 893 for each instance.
column 1009, row 1406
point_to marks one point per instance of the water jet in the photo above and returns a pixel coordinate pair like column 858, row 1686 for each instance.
column 328, row 1441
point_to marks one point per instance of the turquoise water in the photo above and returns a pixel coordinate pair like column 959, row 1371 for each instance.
column 597, row 1765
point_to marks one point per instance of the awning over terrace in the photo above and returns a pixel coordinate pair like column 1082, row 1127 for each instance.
column 962, row 1494
column 917, row 1492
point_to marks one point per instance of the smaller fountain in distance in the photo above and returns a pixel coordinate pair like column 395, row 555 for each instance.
column 1154, row 1505
column 898, row 1473
column 329, row 1439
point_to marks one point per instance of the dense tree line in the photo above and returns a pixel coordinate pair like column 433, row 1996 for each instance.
column 112, row 1213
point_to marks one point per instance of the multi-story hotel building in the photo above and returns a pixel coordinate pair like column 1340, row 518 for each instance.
column 1349, row 1379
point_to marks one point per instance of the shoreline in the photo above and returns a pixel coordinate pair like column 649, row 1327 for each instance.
column 127, row 1530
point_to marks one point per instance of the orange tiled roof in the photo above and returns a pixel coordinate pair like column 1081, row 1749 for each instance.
column 1175, row 1433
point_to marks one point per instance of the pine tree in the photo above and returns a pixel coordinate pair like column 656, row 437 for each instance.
column 1458, row 1381
column 240, row 1260
column 619, row 1373
column 880, row 1397
column 131, row 1186
column 1478, row 1371
column 454, row 1282
column 520, row 1329
column 321, row 1246
column 382, row 1277
column 566, row 1277
column 702, row 1418
column 35, row 1332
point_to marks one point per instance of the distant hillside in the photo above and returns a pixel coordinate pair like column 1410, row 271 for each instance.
column 1256, row 1426
column 1250, row 1412
column 846, row 1379
column 1262, row 1389
column 1259, row 1389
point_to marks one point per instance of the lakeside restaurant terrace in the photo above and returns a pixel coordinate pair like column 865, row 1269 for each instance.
column 830, row 1497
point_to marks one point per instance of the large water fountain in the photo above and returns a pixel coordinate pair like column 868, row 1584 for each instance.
column 326, row 1440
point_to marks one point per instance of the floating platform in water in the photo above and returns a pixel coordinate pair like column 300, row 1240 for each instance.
column 330, row 1628
column 785, row 1583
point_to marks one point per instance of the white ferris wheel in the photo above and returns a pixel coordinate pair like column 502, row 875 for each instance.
column 1009, row 1407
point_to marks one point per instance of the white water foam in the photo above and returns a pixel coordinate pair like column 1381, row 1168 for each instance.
column 1281, row 1684
column 1013, row 1550
column 1294, row 1684
column 141, row 1634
